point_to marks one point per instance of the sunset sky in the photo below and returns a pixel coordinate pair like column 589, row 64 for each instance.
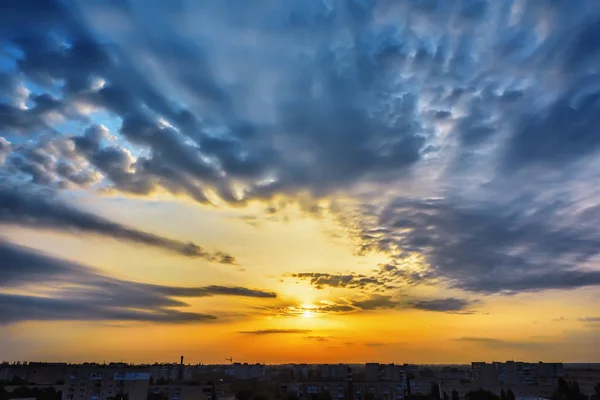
column 300, row 180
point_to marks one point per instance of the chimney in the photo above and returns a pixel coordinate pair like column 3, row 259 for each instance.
column 181, row 362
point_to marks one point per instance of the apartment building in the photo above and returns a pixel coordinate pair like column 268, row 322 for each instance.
column 170, row 372
column 516, row 374
column 346, row 390
column 526, row 380
column 182, row 392
column 101, row 382
column 334, row 372
column 300, row 371
column 384, row 372
column 244, row 371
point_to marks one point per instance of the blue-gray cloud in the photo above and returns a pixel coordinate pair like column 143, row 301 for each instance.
column 464, row 131
column 42, row 209
column 66, row 290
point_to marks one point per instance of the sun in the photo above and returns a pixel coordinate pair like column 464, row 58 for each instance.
column 308, row 314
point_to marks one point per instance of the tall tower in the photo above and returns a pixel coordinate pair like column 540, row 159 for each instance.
column 181, row 369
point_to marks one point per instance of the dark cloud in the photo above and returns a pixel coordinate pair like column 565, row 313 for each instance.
column 376, row 302
column 442, row 305
column 69, row 291
column 492, row 249
column 15, row 308
column 92, row 139
column 275, row 331
column 22, row 206
column 446, row 305
column 328, row 129
column 214, row 290
column 562, row 134
column 349, row 281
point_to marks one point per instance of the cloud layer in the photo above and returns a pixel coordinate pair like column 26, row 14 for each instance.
column 458, row 138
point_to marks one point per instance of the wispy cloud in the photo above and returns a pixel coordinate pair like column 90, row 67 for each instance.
column 589, row 319
column 65, row 290
column 276, row 332
column 502, row 344
column 43, row 209
column 319, row 338
column 375, row 302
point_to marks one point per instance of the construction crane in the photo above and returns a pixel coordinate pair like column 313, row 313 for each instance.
column 230, row 359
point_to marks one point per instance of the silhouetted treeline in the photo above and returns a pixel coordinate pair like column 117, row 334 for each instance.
column 36, row 393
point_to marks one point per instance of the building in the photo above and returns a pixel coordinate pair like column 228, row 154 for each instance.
column 162, row 373
column 34, row 372
column 384, row 372
column 586, row 377
column 448, row 386
column 333, row 372
column 516, row 374
column 525, row 380
column 101, row 382
column 345, row 390
column 299, row 372
column 246, row 371
column 182, row 392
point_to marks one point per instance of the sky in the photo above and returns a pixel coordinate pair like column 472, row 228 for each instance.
column 300, row 180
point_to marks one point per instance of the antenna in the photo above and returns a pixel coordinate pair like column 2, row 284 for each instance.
column 230, row 359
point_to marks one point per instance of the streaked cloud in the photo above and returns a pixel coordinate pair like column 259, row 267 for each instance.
column 504, row 344
column 43, row 209
column 374, row 302
column 275, row 331
column 589, row 319
column 65, row 290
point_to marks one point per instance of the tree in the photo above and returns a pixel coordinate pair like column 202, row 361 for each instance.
column 244, row 394
column 568, row 391
column 323, row 396
column 40, row 394
column 510, row 395
column 17, row 380
column 435, row 392
column 121, row 396
column 502, row 395
column 454, row 395
column 446, row 396
column 481, row 395
column 596, row 395
column 158, row 396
